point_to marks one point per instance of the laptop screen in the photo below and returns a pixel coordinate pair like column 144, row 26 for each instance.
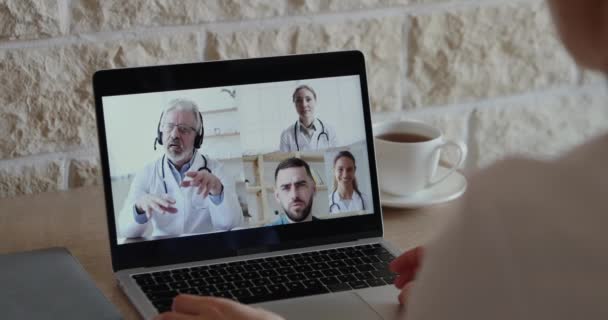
column 234, row 157
column 224, row 158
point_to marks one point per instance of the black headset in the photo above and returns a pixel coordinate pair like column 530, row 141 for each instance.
column 334, row 204
column 323, row 132
column 198, row 140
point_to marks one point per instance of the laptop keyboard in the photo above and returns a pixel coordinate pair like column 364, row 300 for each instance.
column 273, row 278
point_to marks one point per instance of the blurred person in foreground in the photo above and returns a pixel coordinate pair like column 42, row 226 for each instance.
column 530, row 240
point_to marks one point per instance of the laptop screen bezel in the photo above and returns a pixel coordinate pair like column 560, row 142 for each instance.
column 223, row 73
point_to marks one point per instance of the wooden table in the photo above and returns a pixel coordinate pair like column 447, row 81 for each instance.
column 76, row 219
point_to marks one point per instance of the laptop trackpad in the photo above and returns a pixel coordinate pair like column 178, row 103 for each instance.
column 345, row 305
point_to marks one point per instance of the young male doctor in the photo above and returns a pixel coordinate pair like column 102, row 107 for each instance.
column 184, row 191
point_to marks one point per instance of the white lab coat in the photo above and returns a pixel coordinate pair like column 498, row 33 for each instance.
column 195, row 214
column 320, row 139
column 357, row 203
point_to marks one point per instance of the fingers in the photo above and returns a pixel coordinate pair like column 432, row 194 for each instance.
column 407, row 265
column 175, row 316
column 203, row 180
column 409, row 260
column 197, row 305
column 404, row 294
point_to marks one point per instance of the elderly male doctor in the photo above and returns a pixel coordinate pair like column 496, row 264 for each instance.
column 182, row 192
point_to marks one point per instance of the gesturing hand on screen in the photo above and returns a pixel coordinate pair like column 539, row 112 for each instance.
column 150, row 203
column 206, row 182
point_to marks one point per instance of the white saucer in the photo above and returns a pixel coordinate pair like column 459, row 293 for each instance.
column 450, row 189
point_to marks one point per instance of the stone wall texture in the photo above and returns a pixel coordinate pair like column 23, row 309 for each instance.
column 492, row 74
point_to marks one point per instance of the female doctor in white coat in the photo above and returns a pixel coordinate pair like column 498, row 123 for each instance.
column 182, row 192
column 346, row 196
column 308, row 133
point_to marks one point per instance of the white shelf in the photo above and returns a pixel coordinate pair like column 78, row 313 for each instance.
column 227, row 134
column 219, row 110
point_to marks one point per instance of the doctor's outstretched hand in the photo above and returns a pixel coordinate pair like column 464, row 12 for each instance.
column 150, row 203
column 206, row 182
column 188, row 307
column 407, row 266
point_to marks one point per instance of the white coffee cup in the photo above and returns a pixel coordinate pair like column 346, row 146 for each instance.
column 407, row 167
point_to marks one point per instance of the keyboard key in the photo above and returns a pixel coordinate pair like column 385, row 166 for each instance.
column 235, row 270
column 286, row 270
column 250, row 275
column 253, row 267
column 181, row 277
column 269, row 265
column 312, row 283
column 347, row 270
column 207, row 290
column 365, row 267
column 295, row 286
column 336, row 264
column 320, row 266
column 179, row 285
column 232, row 277
column 142, row 276
column 189, row 291
column 375, row 282
column 329, row 280
column 224, row 294
column 339, row 287
column 241, row 293
column 302, row 268
column 145, row 282
column 162, row 295
column 358, row 284
column 164, row 279
column 225, row 286
column 390, row 279
column 268, row 273
column 314, row 274
column 196, row 283
column 330, row 272
column 279, row 279
column 161, row 273
column 214, row 280
column 255, row 291
column 296, row 277
column 347, row 278
column 155, row 288
column 261, row 282
column 180, row 271
column 243, row 284
column 364, row 275
column 162, row 305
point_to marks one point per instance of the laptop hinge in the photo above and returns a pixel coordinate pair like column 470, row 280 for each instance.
column 252, row 250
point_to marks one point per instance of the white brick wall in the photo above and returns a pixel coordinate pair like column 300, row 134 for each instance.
column 489, row 72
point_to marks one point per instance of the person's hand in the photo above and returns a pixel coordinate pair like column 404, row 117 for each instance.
column 406, row 265
column 206, row 182
column 150, row 203
column 188, row 307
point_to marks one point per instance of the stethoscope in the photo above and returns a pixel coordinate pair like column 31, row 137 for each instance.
column 162, row 167
column 334, row 204
column 323, row 132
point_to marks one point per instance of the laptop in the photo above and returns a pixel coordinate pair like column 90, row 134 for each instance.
column 252, row 179
column 50, row 284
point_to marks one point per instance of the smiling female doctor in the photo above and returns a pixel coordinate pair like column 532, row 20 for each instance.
column 346, row 196
column 308, row 133
column 182, row 192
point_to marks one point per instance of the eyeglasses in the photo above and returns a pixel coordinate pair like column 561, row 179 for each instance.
column 182, row 129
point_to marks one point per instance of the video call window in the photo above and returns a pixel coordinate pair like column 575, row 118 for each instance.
column 226, row 158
